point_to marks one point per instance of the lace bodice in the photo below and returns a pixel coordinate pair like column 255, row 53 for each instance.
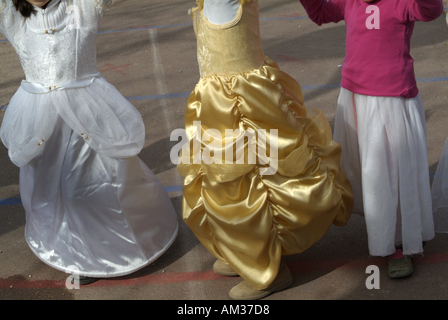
column 57, row 44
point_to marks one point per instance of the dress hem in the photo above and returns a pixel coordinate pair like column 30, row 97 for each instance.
column 115, row 274
column 406, row 253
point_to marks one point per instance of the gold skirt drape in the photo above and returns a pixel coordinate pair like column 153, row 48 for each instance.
column 242, row 217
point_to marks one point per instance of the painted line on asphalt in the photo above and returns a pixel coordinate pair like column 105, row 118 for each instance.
column 18, row 201
column 179, row 25
column 10, row 202
column 164, row 278
column 169, row 189
column 304, row 88
column 184, row 25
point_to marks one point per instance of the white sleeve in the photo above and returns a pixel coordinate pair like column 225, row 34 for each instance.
column 9, row 20
column 88, row 13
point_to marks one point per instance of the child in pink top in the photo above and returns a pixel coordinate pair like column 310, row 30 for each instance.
column 380, row 122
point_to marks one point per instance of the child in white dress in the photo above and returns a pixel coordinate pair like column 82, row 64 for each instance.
column 91, row 205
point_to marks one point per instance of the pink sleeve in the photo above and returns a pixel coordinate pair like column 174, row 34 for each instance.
column 323, row 11
column 421, row 10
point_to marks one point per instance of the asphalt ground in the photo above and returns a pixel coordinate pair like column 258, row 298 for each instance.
column 147, row 50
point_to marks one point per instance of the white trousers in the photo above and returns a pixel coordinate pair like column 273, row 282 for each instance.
column 384, row 156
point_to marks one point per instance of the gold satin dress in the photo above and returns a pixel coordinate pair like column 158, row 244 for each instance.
column 244, row 217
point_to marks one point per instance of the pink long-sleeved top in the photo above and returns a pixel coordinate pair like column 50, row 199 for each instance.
column 378, row 60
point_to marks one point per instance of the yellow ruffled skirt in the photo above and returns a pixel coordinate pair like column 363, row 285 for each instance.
column 243, row 217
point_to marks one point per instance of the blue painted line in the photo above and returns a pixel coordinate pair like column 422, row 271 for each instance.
column 179, row 25
column 10, row 201
column 185, row 25
column 174, row 189
column 304, row 88
column 433, row 79
column 283, row 18
column 18, row 201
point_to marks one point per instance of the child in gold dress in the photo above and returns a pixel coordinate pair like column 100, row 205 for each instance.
column 246, row 214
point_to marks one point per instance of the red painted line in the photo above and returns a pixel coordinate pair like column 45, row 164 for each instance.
column 296, row 267
column 115, row 68
column 285, row 58
column 161, row 278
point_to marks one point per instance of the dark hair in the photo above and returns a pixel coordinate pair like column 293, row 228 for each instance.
column 24, row 7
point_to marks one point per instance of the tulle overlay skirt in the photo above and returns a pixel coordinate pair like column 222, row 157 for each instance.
column 440, row 192
column 385, row 157
column 248, row 211
column 109, row 123
column 92, row 214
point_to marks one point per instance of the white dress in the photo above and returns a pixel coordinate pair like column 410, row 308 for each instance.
column 91, row 204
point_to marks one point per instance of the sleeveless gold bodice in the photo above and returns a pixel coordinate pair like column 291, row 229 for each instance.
column 230, row 48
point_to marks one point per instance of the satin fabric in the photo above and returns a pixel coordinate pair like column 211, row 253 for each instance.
column 39, row 88
column 243, row 217
column 104, row 217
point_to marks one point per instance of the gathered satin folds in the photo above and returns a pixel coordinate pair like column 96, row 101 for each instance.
column 243, row 217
